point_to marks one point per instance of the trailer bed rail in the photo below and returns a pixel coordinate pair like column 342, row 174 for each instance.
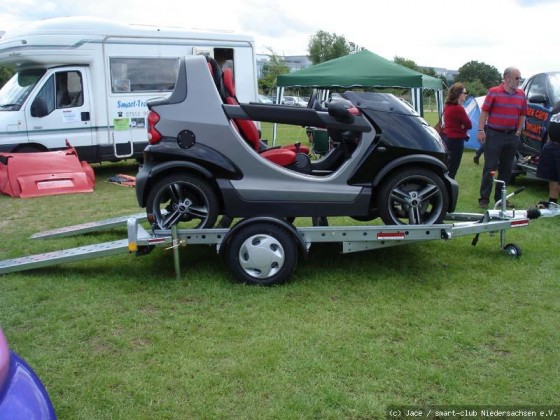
column 352, row 238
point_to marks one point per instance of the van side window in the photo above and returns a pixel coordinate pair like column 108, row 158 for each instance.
column 143, row 74
column 69, row 89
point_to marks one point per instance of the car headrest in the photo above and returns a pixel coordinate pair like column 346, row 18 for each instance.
column 228, row 82
column 340, row 111
column 216, row 73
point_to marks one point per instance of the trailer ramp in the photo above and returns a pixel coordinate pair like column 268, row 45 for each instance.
column 47, row 259
column 113, row 222
column 86, row 252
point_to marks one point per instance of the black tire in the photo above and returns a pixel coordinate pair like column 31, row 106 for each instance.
column 262, row 254
column 413, row 196
column 28, row 149
column 513, row 250
column 184, row 199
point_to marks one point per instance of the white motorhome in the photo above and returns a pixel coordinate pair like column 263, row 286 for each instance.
column 87, row 80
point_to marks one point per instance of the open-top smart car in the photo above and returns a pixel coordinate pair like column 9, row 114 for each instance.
column 205, row 158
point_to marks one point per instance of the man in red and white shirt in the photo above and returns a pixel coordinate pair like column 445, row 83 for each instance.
column 501, row 119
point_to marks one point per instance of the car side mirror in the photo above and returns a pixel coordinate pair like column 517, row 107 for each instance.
column 39, row 108
column 538, row 99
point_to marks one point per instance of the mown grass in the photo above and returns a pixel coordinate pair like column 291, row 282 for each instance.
column 424, row 324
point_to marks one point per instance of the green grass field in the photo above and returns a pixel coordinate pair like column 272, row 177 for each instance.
column 440, row 323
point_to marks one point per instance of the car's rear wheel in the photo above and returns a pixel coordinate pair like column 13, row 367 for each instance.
column 185, row 200
column 413, row 196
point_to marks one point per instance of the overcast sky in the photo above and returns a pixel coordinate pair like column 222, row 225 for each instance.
column 434, row 33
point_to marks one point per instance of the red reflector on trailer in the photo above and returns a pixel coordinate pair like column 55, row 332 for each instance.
column 519, row 223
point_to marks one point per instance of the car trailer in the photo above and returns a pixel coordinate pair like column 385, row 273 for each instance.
column 265, row 250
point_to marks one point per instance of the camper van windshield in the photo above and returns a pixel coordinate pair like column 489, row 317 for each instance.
column 14, row 93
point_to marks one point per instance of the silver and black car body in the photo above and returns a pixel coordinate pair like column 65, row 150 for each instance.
column 387, row 161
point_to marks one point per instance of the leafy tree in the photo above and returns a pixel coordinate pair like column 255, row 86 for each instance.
column 429, row 71
column 354, row 48
column 324, row 46
column 5, row 75
column 472, row 71
column 406, row 63
column 475, row 88
column 271, row 70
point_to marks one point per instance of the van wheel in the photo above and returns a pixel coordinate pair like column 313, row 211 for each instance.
column 262, row 254
column 413, row 196
column 183, row 199
column 28, row 149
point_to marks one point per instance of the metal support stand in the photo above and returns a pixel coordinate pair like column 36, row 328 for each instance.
column 503, row 211
column 176, row 255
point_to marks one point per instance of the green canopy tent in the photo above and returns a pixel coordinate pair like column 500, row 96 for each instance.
column 364, row 69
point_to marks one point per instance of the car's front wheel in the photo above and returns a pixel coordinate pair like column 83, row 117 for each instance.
column 183, row 199
column 413, row 196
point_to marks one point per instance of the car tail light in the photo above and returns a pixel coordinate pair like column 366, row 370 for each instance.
column 154, row 136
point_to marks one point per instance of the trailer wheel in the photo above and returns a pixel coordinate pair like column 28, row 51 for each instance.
column 413, row 196
column 512, row 250
column 262, row 254
column 183, row 199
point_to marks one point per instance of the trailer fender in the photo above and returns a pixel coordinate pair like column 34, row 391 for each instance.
column 300, row 243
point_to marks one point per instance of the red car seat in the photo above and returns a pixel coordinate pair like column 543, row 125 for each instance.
column 281, row 156
column 231, row 99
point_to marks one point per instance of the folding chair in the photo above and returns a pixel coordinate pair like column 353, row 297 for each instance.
column 321, row 142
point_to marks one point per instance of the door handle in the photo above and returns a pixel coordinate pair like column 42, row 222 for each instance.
column 85, row 116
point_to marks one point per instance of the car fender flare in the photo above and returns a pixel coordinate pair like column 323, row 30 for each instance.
column 300, row 242
column 407, row 160
column 173, row 165
column 168, row 167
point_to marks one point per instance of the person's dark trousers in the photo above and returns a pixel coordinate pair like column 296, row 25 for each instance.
column 455, row 149
column 499, row 153
column 479, row 151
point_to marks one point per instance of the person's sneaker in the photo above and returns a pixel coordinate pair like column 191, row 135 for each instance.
column 483, row 203
column 476, row 159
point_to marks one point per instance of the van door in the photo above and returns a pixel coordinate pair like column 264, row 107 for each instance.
column 61, row 110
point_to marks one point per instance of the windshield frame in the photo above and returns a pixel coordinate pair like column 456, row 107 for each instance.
column 13, row 95
column 554, row 81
